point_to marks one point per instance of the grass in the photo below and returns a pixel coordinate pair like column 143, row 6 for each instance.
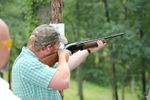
column 94, row 92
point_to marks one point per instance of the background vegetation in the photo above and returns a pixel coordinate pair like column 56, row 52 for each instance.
column 120, row 69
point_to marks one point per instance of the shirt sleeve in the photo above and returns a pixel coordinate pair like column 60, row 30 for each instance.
column 37, row 73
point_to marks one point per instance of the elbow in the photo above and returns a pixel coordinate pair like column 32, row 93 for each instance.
column 64, row 85
column 60, row 83
column 64, row 81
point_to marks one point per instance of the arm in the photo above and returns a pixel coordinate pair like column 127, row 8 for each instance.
column 77, row 58
column 61, row 78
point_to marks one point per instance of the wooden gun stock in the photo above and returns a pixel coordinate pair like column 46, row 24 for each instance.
column 50, row 60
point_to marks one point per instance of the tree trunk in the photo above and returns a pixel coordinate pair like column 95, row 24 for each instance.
column 1, row 74
column 79, row 77
column 148, row 97
column 80, row 84
column 56, row 7
column 114, row 81
column 143, row 72
column 113, row 91
column 79, row 69
column 114, row 78
column 9, row 74
column 143, row 79
column 123, row 89
column 132, row 84
column 106, row 10
column 56, row 11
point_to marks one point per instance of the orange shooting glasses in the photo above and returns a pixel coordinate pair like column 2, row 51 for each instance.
column 7, row 43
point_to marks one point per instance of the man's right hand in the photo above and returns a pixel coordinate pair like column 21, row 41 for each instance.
column 64, row 53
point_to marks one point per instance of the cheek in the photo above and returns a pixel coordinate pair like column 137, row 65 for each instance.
column 54, row 49
column 44, row 53
column 4, row 55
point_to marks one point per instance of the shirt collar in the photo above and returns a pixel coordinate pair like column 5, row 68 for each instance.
column 28, row 52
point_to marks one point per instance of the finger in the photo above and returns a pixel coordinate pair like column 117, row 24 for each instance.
column 100, row 43
column 103, row 40
column 60, row 50
column 69, row 52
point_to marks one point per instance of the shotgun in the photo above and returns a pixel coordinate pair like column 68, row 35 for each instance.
column 74, row 47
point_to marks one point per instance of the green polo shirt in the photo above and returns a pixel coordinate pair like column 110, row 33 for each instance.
column 30, row 78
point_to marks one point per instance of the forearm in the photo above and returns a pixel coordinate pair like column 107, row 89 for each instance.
column 61, row 79
column 77, row 58
column 64, row 68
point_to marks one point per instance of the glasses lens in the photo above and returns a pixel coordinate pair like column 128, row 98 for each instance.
column 7, row 43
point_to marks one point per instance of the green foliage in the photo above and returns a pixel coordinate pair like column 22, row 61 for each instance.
column 87, row 20
column 10, row 13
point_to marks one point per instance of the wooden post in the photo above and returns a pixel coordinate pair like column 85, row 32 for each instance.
column 56, row 7
column 56, row 11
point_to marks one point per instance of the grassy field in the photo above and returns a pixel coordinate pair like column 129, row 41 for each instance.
column 94, row 92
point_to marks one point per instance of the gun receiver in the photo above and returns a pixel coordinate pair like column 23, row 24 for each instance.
column 73, row 47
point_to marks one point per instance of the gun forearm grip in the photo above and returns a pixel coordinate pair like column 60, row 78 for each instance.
column 90, row 45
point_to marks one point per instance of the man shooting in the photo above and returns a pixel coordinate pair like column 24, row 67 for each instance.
column 34, row 80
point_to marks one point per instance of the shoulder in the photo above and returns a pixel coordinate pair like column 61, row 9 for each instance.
column 26, row 61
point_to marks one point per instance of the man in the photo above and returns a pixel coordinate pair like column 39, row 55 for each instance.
column 5, row 45
column 34, row 80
